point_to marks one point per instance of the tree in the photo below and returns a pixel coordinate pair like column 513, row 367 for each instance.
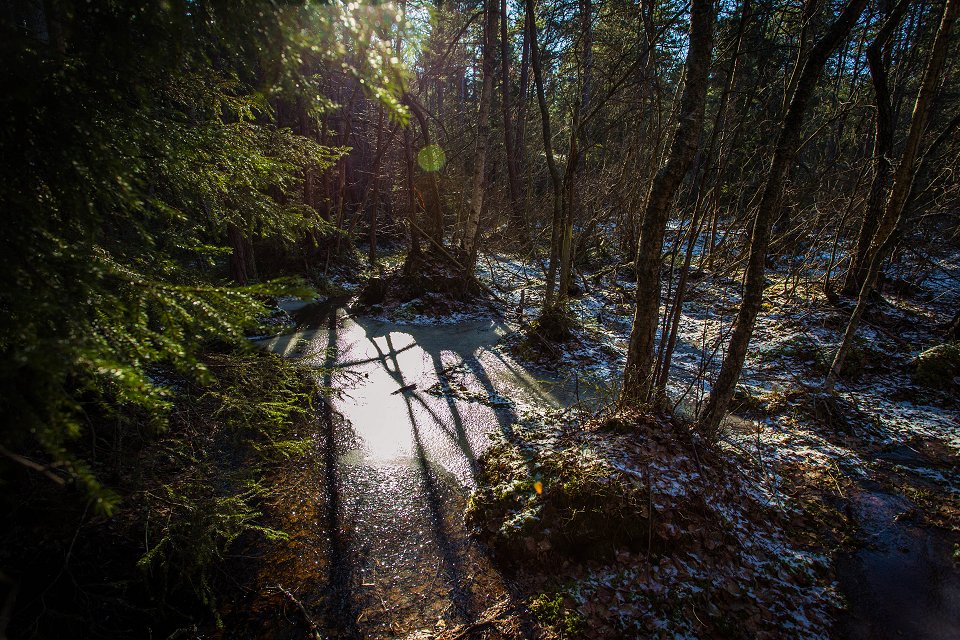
column 471, row 234
column 785, row 148
column 903, row 177
column 878, row 54
column 139, row 152
column 638, row 374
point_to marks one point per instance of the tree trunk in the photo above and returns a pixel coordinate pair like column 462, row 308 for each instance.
column 548, row 152
column 432, row 209
column 703, row 186
column 878, row 59
column 471, row 234
column 785, row 149
column 411, row 194
column 517, row 217
column 638, row 374
column 374, row 210
column 577, row 154
column 238, row 259
column 902, row 183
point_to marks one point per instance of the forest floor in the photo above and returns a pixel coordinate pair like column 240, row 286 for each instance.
column 463, row 483
column 863, row 488
column 868, row 482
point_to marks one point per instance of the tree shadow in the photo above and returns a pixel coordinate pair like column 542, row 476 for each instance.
column 342, row 607
column 421, row 491
column 452, row 563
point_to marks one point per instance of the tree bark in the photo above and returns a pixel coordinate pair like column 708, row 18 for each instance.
column 638, row 374
column 577, row 153
column 892, row 218
column 788, row 140
column 376, row 188
column 238, row 259
column 432, row 209
column 513, row 182
column 472, row 232
column 703, row 186
column 878, row 54
column 555, row 181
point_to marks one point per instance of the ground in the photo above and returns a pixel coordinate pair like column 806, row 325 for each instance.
column 461, row 482
column 863, row 483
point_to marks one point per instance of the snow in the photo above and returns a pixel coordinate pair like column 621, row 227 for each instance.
column 793, row 340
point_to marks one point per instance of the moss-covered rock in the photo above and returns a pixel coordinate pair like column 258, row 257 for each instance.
column 534, row 504
column 939, row 366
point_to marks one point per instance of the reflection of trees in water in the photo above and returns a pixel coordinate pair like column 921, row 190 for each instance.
column 395, row 548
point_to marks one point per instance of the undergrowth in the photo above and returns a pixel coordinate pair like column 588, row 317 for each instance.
column 627, row 527
column 188, row 494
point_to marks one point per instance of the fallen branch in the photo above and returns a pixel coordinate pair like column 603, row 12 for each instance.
column 488, row 620
column 30, row 464
column 314, row 629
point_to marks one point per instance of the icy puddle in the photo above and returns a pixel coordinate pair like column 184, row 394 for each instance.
column 384, row 551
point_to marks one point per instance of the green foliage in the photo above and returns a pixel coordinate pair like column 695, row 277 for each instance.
column 552, row 611
column 225, row 436
column 199, row 528
column 135, row 136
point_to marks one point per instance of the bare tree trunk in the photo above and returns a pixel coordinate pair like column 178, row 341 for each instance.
column 878, row 59
column 431, row 188
column 516, row 206
column 411, row 194
column 520, row 137
column 785, row 149
column 472, row 232
column 238, row 259
column 638, row 373
column 577, row 153
column 669, row 341
column 376, row 188
column 892, row 218
column 548, row 152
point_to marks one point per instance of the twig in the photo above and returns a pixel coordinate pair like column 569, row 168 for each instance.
column 303, row 610
column 488, row 620
column 470, row 628
column 30, row 464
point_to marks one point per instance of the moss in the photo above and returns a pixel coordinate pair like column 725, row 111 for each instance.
column 939, row 366
column 798, row 347
column 748, row 399
column 801, row 348
column 535, row 504
column 551, row 609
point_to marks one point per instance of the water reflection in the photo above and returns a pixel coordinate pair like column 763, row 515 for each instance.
column 385, row 371
column 413, row 409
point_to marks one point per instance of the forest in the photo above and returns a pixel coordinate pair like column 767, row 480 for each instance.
column 480, row 319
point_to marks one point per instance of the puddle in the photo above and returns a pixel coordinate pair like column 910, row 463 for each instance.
column 383, row 550
column 391, row 379
column 903, row 583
